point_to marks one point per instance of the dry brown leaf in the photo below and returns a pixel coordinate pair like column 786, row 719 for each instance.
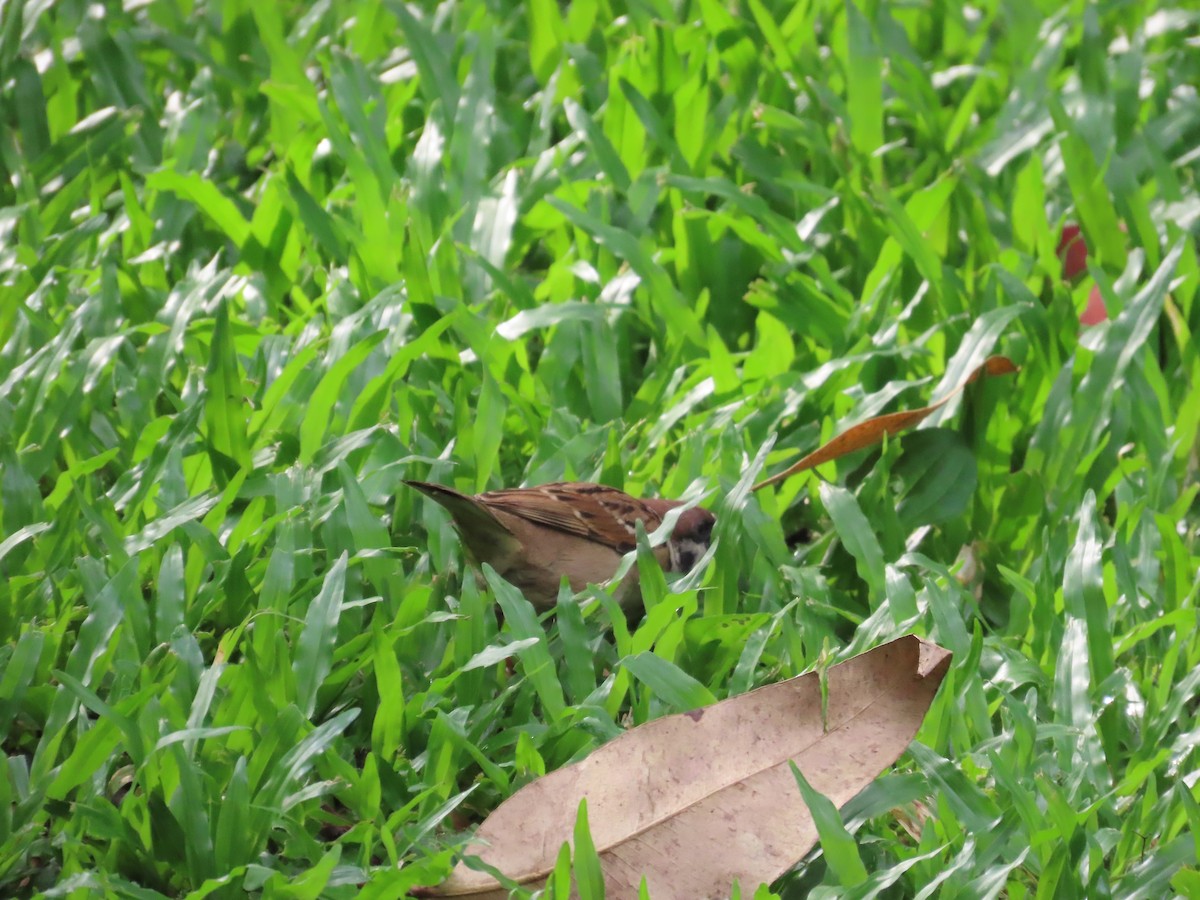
column 696, row 800
column 864, row 434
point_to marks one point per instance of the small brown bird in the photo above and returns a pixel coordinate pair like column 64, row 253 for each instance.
column 534, row 536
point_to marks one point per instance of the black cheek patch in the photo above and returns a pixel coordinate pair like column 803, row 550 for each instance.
column 687, row 552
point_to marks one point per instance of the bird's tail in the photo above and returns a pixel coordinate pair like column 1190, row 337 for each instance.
column 473, row 518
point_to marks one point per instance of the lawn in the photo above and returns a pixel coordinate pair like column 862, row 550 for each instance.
column 262, row 261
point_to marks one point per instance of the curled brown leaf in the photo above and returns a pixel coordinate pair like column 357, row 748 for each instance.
column 872, row 431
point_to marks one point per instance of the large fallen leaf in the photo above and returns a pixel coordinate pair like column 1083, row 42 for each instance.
column 864, row 434
column 697, row 800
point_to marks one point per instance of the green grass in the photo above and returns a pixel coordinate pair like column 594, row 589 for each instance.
column 259, row 262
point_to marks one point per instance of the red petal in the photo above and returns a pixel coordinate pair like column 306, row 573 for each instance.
column 1072, row 250
column 1095, row 312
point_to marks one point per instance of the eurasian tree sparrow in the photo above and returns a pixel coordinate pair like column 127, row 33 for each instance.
column 534, row 536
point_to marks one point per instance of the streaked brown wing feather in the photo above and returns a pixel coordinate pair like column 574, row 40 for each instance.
column 591, row 511
column 533, row 505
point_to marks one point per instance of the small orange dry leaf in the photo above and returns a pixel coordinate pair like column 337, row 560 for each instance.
column 872, row 431
column 698, row 800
